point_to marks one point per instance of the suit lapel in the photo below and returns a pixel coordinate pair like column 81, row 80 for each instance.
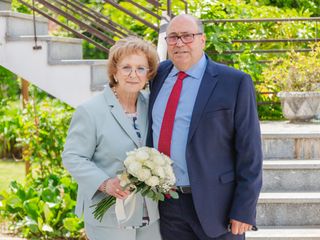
column 207, row 85
column 120, row 116
column 155, row 87
column 158, row 82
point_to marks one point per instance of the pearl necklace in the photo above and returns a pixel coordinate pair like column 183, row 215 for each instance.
column 116, row 95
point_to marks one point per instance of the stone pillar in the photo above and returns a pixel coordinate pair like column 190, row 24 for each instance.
column 162, row 45
column 5, row 5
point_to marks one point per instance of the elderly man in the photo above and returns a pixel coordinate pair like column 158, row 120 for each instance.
column 203, row 115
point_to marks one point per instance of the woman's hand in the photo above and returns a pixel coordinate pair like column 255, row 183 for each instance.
column 112, row 187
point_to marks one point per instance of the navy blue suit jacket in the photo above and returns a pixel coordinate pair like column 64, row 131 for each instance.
column 223, row 153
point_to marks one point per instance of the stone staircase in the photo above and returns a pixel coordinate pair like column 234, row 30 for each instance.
column 289, row 205
column 57, row 68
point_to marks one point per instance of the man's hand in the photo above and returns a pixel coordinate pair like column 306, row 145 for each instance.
column 239, row 228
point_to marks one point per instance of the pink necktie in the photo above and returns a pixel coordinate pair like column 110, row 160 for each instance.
column 164, row 144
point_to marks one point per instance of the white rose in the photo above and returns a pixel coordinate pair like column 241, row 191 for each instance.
column 131, row 153
column 149, row 164
column 143, row 174
column 168, row 170
column 130, row 159
column 168, row 160
column 134, row 168
column 155, row 151
column 171, row 179
column 159, row 160
column 124, row 180
column 145, row 149
column 142, row 155
column 159, row 172
column 152, row 181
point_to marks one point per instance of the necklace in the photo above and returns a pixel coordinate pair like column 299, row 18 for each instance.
column 115, row 92
column 117, row 97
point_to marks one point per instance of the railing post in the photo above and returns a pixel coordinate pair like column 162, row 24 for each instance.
column 25, row 99
column 169, row 12
column 5, row 5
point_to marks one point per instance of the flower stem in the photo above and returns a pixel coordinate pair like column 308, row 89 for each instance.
column 102, row 207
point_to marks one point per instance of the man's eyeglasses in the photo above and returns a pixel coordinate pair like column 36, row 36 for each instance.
column 185, row 38
column 127, row 70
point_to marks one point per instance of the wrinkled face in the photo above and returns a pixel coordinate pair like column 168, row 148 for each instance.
column 184, row 55
column 132, row 73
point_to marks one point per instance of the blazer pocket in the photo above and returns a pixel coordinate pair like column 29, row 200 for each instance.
column 227, row 177
column 219, row 113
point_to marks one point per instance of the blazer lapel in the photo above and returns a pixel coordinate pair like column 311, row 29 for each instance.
column 142, row 120
column 120, row 116
column 207, row 85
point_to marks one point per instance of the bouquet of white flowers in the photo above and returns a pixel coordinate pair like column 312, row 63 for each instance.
column 146, row 171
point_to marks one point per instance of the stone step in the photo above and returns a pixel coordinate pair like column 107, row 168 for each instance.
column 59, row 48
column 285, row 233
column 284, row 140
column 288, row 209
column 5, row 5
column 99, row 77
column 18, row 24
column 291, row 176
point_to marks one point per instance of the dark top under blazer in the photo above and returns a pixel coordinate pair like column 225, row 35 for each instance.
column 223, row 153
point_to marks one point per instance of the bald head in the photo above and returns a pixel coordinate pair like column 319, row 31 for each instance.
column 187, row 18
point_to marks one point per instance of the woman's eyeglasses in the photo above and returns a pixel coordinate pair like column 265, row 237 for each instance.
column 127, row 70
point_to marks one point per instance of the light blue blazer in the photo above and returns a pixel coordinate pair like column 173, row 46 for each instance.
column 99, row 136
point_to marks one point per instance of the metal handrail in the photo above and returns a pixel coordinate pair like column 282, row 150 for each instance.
column 154, row 3
column 261, row 51
column 92, row 22
column 99, row 46
column 87, row 15
column 274, row 40
column 111, row 2
column 109, row 22
column 316, row 38
column 169, row 11
column 310, row 19
column 89, row 28
column 144, row 9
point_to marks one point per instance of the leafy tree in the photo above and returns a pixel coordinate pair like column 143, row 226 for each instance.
column 312, row 5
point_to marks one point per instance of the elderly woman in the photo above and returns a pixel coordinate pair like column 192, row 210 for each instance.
column 102, row 130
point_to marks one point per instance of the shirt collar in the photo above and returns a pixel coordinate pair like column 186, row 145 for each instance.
column 195, row 71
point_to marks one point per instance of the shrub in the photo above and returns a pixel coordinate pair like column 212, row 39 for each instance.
column 43, row 207
column 297, row 73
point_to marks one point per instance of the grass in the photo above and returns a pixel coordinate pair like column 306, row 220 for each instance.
column 10, row 170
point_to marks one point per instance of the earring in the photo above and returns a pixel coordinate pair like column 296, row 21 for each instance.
column 115, row 79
